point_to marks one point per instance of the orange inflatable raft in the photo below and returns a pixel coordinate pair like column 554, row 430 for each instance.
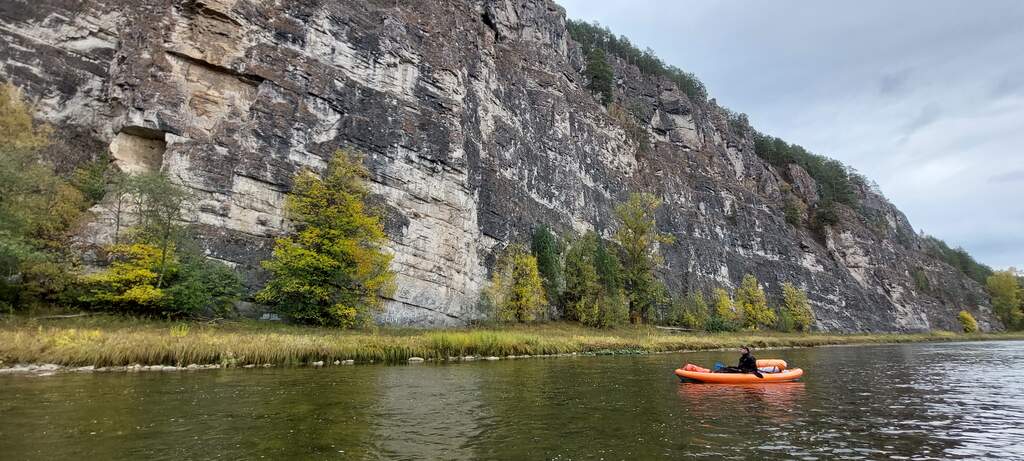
column 704, row 375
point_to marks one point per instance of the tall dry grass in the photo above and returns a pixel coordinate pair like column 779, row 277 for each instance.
column 110, row 341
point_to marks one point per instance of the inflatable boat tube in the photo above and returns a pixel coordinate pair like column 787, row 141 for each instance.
column 695, row 373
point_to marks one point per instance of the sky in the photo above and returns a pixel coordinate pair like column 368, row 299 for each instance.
column 925, row 97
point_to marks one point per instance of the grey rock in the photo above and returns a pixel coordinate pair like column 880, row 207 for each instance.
column 477, row 127
column 415, row 359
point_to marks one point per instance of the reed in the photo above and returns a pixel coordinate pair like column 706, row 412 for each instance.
column 111, row 341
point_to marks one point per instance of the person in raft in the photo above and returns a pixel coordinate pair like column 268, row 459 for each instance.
column 748, row 364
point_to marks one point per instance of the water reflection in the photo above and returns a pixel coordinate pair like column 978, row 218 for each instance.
column 753, row 398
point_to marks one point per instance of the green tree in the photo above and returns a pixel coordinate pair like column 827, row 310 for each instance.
column 694, row 312
column 600, row 75
column 967, row 322
column 639, row 237
column 752, row 301
column 796, row 307
column 546, row 249
column 726, row 316
column 516, row 290
column 590, row 297
column 159, row 206
column 1006, row 296
column 333, row 270
column 37, row 207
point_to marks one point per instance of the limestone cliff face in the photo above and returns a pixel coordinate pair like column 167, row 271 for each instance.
column 476, row 126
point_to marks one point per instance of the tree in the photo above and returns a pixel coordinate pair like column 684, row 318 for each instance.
column 545, row 248
column 516, row 290
column 600, row 75
column 593, row 295
column 159, row 206
column 37, row 207
column 693, row 312
column 639, row 237
column 751, row 300
column 333, row 270
column 796, row 307
column 1006, row 296
column 726, row 317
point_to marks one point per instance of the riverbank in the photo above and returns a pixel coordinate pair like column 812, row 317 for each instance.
column 109, row 341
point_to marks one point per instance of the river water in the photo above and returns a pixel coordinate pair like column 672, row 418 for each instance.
column 917, row 401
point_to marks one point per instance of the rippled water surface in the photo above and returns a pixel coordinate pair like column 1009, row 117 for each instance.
column 920, row 401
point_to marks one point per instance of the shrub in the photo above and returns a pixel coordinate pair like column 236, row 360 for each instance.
column 967, row 322
column 751, row 300
column 796, row 308
column 516, row 290
column 130, row 283
column 333, row 270
column 590, row 298
column 792, row 211
column 204, row 285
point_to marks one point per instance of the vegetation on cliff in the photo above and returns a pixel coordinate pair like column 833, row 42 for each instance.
column 332, row 270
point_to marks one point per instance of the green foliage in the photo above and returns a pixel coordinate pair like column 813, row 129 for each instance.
column 1007, row 297
column 726, row 316
column 159, row 205
column 835, row 181
column 192, row 284
column 639, row 237
column 693, row 311
column 333, row 270
column 37, row 208
column 753, row 303
column 958, row 258
column 516, row 290
column 203, row 285
column 130, row 283
column 967, row 322
column 593, row 36
column 825, row 214
column 599, row 74
column 795, row 309
column 792, row 211
column 590, row 298
column 546, row 249
column 920, row 279
column 91, row 179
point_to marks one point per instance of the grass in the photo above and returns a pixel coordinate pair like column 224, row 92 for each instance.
column 111, row 341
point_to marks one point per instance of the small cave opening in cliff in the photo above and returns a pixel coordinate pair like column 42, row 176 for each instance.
column 489, row 22
column 138, row 149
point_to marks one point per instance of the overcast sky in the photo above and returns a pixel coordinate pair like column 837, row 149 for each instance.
column 925, row 97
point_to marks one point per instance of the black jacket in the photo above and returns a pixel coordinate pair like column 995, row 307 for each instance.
column 748, row 363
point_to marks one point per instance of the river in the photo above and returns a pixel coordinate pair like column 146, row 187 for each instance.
column 914, row 401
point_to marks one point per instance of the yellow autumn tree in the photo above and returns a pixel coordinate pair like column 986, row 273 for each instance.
column 333, row 270
column 751, row 300
column 516, row 290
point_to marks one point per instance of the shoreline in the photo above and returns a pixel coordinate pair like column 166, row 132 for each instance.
column 120, row 344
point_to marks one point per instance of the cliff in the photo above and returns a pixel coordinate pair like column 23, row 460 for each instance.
column 477, row 127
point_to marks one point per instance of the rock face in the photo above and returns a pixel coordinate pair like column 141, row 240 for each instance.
column 476, row 128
